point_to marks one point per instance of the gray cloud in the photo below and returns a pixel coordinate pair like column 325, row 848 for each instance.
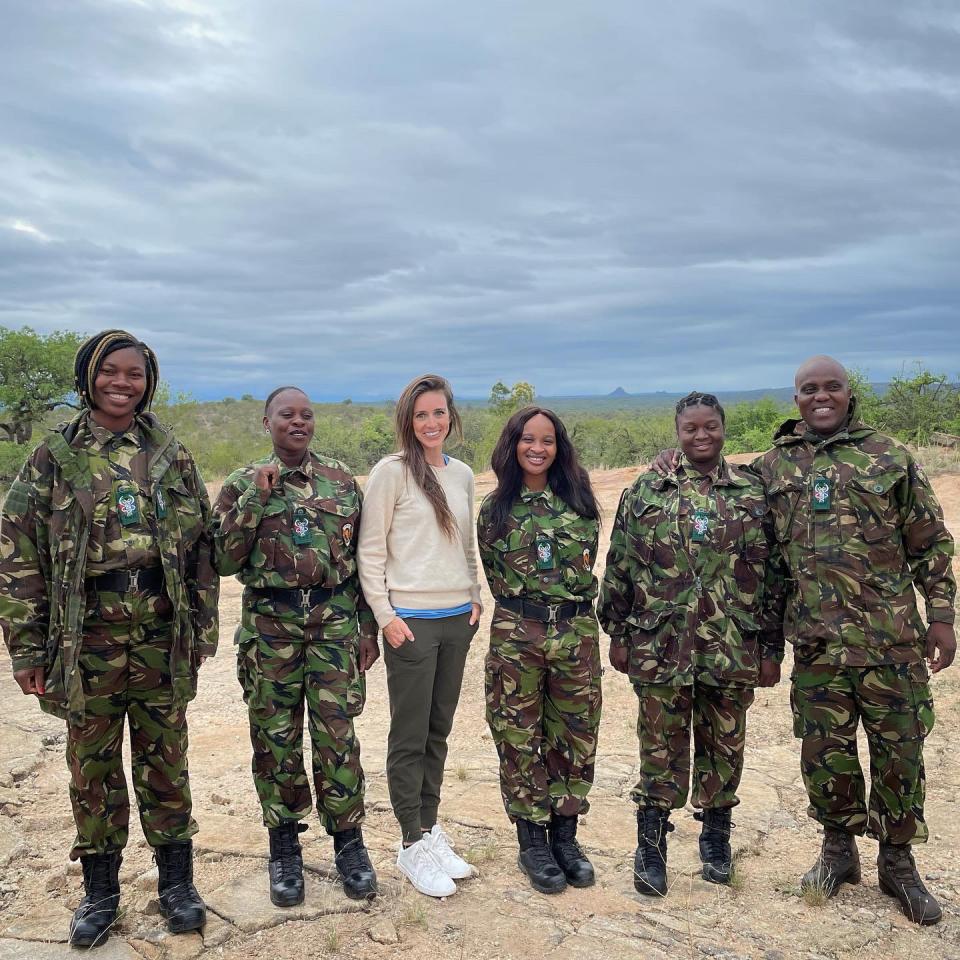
column 344, row 195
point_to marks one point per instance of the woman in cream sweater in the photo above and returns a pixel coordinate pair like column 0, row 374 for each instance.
column 419, row 574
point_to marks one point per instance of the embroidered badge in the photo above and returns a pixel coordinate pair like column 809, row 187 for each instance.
column 301, row 528
column 701, row 526
column 346, row 531
column 127, row 507
column 586, row 559
column 821, row 493
column 160, row 503
column 544, row 553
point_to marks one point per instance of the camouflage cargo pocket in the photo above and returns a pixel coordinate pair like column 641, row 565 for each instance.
column 247, row 670
column 357, row 686
column 493, row 687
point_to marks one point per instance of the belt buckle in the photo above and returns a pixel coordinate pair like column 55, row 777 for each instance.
column 305, row 597
column 133, row 581
column 552, row 611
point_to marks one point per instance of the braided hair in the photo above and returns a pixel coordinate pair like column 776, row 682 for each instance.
column 697, row 399
column 94, row 350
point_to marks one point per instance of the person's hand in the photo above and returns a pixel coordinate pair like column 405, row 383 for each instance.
column 397, row 633
column 941, row 646
column 474, row 613
column 369, row 652
column 769, row 673
column 666, row 462
column 30, row 680
column 620, row 657
column 265, row 479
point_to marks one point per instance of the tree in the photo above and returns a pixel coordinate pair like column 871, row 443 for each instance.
column 506, row 400
column 914, row 407
column 36, row 375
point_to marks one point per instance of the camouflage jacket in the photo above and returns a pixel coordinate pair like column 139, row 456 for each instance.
column 45, row 540
column 689, row 610
column 546, row 553
column 857, row 525
column 257, row 542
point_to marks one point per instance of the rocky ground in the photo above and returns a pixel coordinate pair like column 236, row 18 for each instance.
column 496, row 915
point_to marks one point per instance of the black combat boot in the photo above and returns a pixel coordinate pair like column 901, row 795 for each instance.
column 567, row 852
column 839, row 862
column 179, row 901
column 715, row 844
column 899, row 878
column 536, row 858
column 353, row 864
column 286, row 864
column 97, row 912
column 650, row 859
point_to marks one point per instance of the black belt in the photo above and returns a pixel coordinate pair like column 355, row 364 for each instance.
column 143, row 580
column 545, row 612
column 302, row 597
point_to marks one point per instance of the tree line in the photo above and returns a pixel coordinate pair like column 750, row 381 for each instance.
column 36, row 384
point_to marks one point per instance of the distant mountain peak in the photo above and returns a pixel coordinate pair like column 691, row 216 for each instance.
column 619, row 392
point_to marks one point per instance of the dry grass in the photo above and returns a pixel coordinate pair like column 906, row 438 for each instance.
column 938, row 460
column 481, row 852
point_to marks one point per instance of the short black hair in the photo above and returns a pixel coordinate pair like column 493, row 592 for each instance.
column 696, row 399
column 275, row 393
column 94, row 350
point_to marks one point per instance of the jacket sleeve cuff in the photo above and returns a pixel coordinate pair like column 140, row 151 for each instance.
column 27, row 661
column 249, row 502
column 941, row 615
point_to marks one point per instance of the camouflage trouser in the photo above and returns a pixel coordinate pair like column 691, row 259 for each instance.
column 125, row 670
column 279, row 677
column 894, row 704
column 719, row 719
column 543, row 708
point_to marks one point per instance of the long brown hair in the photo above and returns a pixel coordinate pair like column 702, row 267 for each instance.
column 411, row 453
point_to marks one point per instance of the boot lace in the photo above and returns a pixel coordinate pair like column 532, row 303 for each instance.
column 715, row 837
column 352, row 856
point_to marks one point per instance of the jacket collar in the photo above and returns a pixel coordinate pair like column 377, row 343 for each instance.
column 722, row 476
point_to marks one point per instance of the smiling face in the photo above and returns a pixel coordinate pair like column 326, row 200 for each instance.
column 118, row 387
column 700, row 434
column 823, row 395
column 536, row 451
column 431, row 421
column 289, row 419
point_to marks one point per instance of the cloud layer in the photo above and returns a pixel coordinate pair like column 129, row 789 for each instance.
column 582, row 196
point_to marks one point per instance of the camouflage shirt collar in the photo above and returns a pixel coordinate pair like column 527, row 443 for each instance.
column 526, row 494
column 305, row 467
column 104, row 437
column 796, row 431
column 721, row 475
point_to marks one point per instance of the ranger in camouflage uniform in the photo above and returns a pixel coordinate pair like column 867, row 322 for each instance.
column 287, row 526
column 537, row 535
column 108, row 600
column 857, row 527
column 690, row 603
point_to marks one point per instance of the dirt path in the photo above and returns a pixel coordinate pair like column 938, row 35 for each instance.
column 496, row 915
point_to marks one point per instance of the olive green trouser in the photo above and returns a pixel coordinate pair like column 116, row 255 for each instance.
column 423, row 682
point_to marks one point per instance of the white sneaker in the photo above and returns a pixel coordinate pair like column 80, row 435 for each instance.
column 438, row 843
column 423, row 871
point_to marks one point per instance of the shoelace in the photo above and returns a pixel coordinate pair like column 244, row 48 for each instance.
column 541, row 856
column 353, row 857
column 569, row 846
column 289, row 854
column 654, row 830
column 183, row 890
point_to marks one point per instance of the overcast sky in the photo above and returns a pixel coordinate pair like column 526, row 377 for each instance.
column 581, row 195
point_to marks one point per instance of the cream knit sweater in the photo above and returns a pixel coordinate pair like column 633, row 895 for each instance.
column 404, row 558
